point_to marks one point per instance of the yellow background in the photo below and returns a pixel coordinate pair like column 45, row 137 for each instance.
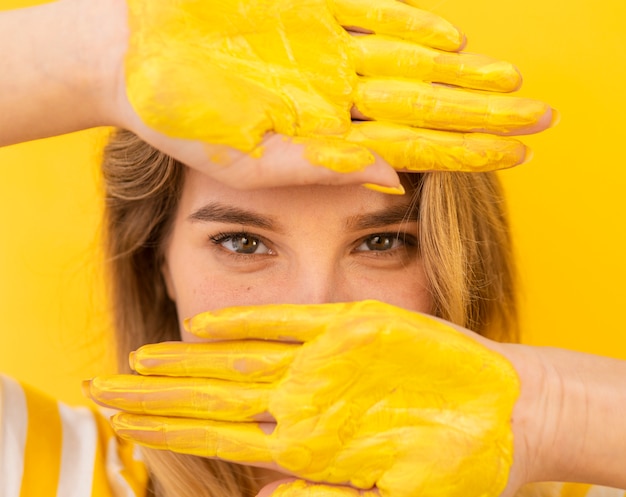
column 567, row 205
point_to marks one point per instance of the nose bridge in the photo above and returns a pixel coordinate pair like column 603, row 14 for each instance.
column 317, row 279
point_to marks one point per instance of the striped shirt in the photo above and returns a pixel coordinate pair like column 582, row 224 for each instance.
column 49, row 449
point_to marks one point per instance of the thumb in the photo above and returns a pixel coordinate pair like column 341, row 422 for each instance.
column 272, row 488
column 292, row 487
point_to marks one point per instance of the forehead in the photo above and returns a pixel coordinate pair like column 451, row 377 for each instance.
column 294, row 202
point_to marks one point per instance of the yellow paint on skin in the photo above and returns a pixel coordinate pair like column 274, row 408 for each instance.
column 335, row 154
column 221, row 154
column 438, row 107
column 432, row 404
column 227, row 73
column 396, row 190
column 192, row 436
column 247, row 360
column 422, row 63
column 416, row 149
column 259, row 71
column 575, row 490
column 188, row 397
column 397, row 19
column 286, row 323
column 300, row 488
column 403, row 387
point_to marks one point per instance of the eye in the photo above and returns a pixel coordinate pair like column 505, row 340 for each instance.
column 241, row 243
column 381, row 242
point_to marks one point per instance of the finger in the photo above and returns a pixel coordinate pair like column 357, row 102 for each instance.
column 416, row 149
column 182, row 397
column 281, row 322
column 285, row 161
column 284, row 322
column 440, row 107
column 237, row 442
column 399, row 19
column 280, row 161
column 249, row 360
column 301, row 488
column 413, row 61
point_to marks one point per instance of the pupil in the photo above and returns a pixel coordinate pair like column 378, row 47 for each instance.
column 245, row 245
column 379, row 242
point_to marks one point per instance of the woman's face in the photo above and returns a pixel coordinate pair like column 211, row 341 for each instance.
column 303, row 245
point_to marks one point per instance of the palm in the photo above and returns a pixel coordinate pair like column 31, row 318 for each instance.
column 362, row 394
column 393, row 406
column 217, row 84
column 265, row 73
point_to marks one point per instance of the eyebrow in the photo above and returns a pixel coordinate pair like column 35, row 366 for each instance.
column 384, row 217
column 220, row 213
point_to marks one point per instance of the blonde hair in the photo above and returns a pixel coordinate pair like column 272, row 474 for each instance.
column 465, row 249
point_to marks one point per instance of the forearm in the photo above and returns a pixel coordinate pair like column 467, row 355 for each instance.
column 577, row 424
column 57, row 68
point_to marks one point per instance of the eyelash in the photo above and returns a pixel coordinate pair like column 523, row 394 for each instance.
column 222, row 237
column 406, row 239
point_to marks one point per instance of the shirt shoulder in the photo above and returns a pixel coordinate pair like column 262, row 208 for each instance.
column 50, row 448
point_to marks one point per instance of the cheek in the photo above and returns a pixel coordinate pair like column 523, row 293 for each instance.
column 201, row 293
column 407, row 289
column 419, row 299
column 416, row 294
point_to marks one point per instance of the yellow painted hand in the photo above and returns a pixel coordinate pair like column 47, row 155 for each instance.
column 228, row 73
column 361, row 394
column 299, row 488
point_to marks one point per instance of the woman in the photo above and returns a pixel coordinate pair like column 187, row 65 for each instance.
column 95, row 83
column 443, row 249
column 156, row 204
column 454, row 262
column 181, row 244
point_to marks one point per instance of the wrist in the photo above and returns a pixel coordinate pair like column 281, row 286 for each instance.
column 102, row 39
column 65, row 59
column 568, row 423
column 536, row 417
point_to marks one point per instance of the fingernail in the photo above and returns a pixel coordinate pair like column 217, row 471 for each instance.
column 132, row 358
column 390, row 190
column 528, row 156
column 556, row 118
column 463, row 42
column 85, row 386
